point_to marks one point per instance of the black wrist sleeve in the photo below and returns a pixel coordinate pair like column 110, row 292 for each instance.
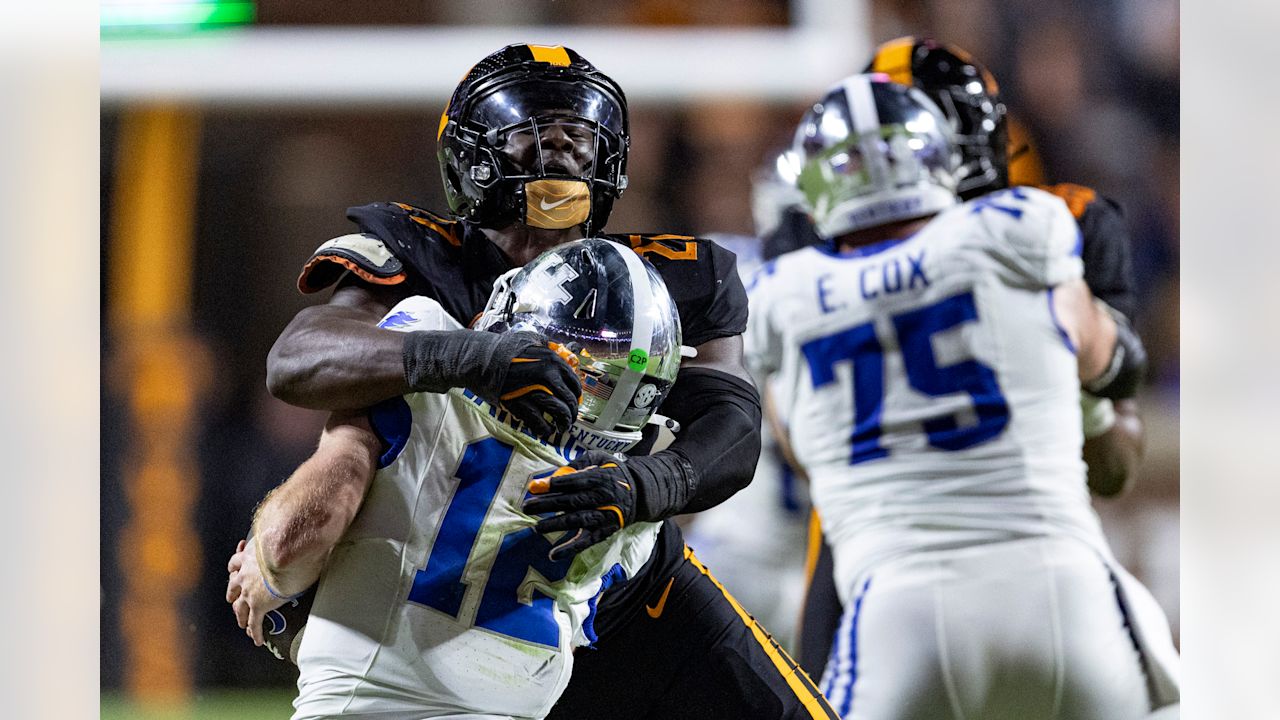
column 1128, row 366
column 436, row 360
column 719, row 437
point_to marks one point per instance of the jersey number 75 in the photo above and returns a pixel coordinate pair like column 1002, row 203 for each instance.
column 915, row 330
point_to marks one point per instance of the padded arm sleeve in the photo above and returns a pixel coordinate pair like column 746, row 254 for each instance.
column 719, row 416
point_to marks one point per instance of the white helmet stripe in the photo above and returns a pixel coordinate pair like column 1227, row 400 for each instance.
column 862, row 104
column 641, row 332
column 866, row 126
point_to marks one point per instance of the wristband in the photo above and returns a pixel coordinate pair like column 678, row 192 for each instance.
column 272, row 592
column 1098, row 414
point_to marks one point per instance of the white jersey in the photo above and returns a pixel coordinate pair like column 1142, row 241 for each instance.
column 440, row 601
column 934, row 398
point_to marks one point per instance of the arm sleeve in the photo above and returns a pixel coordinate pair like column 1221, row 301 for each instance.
column 719, row 416
column 1108, row 269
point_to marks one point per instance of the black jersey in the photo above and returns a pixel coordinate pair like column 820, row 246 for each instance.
column 452, row 261
column 1107, row 269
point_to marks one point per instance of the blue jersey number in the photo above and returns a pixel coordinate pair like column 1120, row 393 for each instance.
column 440, row 585
column 915, row 331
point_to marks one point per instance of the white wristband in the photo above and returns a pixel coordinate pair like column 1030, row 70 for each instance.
column 1098, row 414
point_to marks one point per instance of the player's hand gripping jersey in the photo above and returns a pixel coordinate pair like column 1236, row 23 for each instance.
column 927, row 414
column 441, row 598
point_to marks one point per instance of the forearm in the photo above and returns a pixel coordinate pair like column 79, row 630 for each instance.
column 301, row 521
column 336, row 358
column 719, row 436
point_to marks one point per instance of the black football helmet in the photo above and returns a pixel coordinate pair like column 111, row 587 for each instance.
column 494, row 148
column 967, row 94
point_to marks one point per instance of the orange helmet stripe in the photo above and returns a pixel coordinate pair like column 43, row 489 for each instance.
column 444, row 120
column 553, row 54
column 894, row 60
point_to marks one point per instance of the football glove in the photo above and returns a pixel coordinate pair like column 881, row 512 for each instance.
column 599, row 494
column 519, row 371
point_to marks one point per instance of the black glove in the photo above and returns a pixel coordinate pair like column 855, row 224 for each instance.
column 518, row 370
column 606, row 494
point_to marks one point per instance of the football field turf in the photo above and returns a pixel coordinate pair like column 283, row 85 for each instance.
column 207, row 705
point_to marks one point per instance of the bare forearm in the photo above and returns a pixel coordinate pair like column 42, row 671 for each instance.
column 335, row 358
column 301, row 521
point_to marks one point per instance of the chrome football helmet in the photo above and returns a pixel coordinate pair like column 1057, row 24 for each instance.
column 611, row 311
column 872, row 152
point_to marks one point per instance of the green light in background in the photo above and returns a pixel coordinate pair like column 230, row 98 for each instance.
column 169, row 16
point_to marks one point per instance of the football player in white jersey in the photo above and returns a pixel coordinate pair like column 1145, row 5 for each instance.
column 932, row 353
column 441, row 600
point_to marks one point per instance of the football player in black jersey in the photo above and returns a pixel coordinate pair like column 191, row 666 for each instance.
column 968, row 94
column 533, row 148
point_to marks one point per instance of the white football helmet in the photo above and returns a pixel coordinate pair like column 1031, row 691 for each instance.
column 872, row 152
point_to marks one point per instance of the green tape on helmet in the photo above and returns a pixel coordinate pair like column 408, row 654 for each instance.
column 638, row 360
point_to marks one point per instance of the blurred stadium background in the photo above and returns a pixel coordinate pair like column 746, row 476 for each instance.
column 235, row 134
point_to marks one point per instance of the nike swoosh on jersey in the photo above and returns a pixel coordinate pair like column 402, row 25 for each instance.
column 656, row 611
column 552, row 206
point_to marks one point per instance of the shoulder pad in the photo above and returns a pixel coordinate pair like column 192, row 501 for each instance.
column 1031, row 232
column 402, row 225
column 448, row 228
column 360, row 253
column 1077, row 197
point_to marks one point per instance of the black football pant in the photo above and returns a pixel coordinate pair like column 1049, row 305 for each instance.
column 679, row 646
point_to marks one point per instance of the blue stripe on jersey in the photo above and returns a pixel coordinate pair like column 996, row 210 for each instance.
column 1062, row 332
column 392, row 420
column 615, row 575
column 1078, row 249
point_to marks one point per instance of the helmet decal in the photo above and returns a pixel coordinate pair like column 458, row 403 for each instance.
column 550, row 54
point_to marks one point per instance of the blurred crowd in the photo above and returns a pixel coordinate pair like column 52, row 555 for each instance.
column 1095, row 83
